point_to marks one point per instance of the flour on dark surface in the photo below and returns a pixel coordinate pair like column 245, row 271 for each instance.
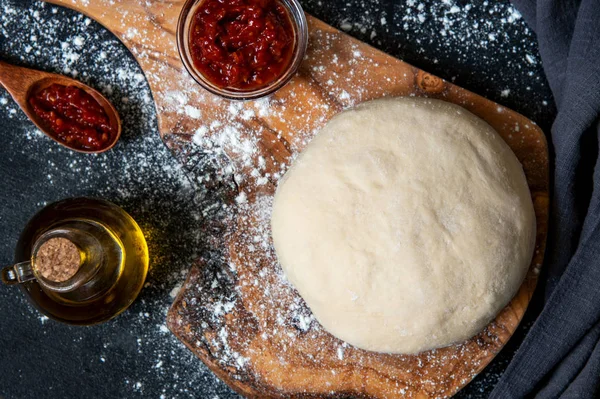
column 469, row 43
column 134, row 355
column 483, row 46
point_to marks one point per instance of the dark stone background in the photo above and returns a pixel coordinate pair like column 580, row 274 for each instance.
column 480, row 45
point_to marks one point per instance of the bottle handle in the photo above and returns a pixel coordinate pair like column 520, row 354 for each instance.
column 18, row 273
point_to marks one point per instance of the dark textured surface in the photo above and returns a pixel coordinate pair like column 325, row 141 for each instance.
column 133, row 356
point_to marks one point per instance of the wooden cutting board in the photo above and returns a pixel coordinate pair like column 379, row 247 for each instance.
column 236, row 312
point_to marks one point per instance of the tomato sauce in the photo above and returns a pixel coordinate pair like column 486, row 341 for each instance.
column 241, row 44
column 74, row 116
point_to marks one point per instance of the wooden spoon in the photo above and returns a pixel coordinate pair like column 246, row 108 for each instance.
column 22, row 83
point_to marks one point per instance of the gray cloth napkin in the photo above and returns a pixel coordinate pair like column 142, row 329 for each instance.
column 560, row 357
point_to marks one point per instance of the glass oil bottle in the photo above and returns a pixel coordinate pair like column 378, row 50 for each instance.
column 111, row 253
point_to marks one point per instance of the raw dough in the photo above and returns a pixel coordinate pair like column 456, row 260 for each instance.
column 406, row 225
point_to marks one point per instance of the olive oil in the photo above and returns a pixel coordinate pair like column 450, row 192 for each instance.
column 114, row 261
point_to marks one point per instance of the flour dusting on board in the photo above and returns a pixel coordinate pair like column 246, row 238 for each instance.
column 238, row 309
column 233, row 183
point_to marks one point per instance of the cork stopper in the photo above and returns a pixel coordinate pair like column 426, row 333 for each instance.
column 57, row 259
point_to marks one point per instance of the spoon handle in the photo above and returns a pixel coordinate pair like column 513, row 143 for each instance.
column 17, row 80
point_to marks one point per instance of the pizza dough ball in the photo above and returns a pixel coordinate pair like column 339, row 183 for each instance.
column 406, row 225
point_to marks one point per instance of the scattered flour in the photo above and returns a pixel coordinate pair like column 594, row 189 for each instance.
column 223, row 156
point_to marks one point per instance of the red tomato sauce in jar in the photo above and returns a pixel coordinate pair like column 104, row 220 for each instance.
column 241, row 44
column 74, row 116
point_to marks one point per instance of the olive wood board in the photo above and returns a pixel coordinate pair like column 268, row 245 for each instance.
column 338, row 72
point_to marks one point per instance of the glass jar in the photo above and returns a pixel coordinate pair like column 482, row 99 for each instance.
column 299, row 25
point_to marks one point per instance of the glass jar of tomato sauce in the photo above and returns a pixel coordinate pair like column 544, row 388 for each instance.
column 242, row 49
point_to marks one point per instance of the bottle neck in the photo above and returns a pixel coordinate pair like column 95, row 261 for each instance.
column 66, row 257
column 74, row 261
